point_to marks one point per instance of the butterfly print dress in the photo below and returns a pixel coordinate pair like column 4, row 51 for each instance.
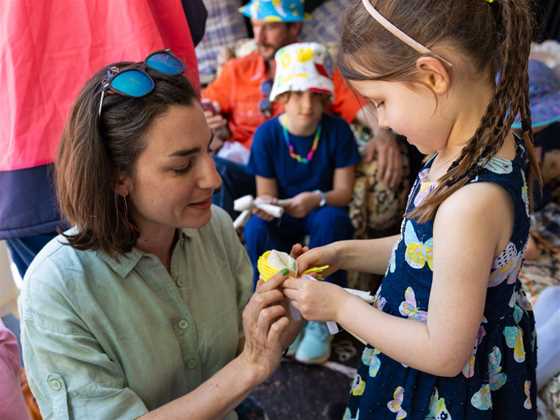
column 498, row 379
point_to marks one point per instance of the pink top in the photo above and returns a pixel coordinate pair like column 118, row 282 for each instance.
column 12, row 405
column 50, row 48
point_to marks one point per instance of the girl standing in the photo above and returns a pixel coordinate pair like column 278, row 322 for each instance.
column 451, row 334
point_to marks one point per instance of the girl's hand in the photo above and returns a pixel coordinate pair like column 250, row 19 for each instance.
column 316, row 257
column 267, row 328
column 316, row 300
column 302, row 204
column 263, row 214
column 297, row 250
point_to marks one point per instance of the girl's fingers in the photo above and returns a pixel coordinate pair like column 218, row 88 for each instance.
column 296, row 251
column 291, row 294
column 305, row 261
column 292, row 284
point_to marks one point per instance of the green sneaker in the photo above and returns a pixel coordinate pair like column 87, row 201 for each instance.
column 315, row 347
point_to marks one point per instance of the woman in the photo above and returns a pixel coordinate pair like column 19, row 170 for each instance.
column 136, row 311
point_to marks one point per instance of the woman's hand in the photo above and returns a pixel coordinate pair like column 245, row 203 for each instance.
column 267, row 326
column 316, row 257
column 316, row 300
column 302, row 204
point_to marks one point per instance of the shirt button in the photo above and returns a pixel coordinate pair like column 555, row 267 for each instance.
column 55, row 384
column 180, row 283
column 183, row 324
column 191, row 363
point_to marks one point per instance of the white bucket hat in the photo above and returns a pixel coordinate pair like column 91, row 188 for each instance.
column 302, row 66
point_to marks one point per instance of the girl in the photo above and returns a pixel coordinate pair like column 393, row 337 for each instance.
column 139, row 310
column 451, row 334
column 306, row 158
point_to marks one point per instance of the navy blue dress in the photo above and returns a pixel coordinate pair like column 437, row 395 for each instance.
column 498, row 380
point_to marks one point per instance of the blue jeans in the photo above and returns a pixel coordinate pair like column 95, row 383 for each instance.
column 323, row 225
column 237, row 181
column 23, row 250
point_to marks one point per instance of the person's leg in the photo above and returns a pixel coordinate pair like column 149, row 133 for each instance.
column 237, row 181
column 547, row 318
column 23, row 250
column 261, row 236
column 546, row 305
column 326, row 225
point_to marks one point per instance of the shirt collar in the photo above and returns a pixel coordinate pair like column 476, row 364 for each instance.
column 260, row 68
column 125, row 263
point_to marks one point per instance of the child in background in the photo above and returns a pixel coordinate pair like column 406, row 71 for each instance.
column 451, row 335
column 12, row 405
column 306, row 158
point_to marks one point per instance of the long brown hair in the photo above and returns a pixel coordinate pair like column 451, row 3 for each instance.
column 494, row 37
column 95, row 151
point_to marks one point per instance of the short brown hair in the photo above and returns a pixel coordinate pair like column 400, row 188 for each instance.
column 96, row 150
column 494, row 37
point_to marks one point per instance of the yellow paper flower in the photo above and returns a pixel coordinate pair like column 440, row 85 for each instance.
column 271, row 262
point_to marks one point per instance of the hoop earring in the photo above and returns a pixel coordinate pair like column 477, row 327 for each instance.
column 130, row 226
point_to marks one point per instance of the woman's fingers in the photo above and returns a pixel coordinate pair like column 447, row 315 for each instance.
column 266, row 322
column 274, row 282
column 276, row 331
column 268, row 316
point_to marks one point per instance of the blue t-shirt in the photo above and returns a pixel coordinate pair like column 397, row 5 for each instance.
column 270, row 156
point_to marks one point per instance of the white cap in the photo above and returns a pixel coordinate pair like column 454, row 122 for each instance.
column 302, row 66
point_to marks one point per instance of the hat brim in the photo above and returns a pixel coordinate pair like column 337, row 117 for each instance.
column 544, row 111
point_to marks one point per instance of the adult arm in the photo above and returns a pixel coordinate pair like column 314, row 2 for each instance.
column 72, row 376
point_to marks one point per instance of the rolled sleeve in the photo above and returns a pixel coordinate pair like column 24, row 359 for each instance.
column 70, row 375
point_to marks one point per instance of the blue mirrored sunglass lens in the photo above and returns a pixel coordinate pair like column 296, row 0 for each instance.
column 165, row 63
column 133, row 83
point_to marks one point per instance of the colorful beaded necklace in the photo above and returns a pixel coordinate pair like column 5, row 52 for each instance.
column 310, row 154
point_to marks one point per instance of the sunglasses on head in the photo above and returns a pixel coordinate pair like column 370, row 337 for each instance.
column 133, row 80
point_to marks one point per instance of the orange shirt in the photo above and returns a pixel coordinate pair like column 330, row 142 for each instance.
column 238, row 92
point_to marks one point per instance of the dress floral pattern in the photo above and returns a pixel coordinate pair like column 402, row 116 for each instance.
column 498, row 379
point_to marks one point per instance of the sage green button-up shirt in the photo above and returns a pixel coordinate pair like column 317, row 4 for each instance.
column 112, row 339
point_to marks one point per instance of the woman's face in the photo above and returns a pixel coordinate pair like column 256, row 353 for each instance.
column 174, row 177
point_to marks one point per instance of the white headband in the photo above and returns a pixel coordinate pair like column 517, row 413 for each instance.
column 412, row 43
